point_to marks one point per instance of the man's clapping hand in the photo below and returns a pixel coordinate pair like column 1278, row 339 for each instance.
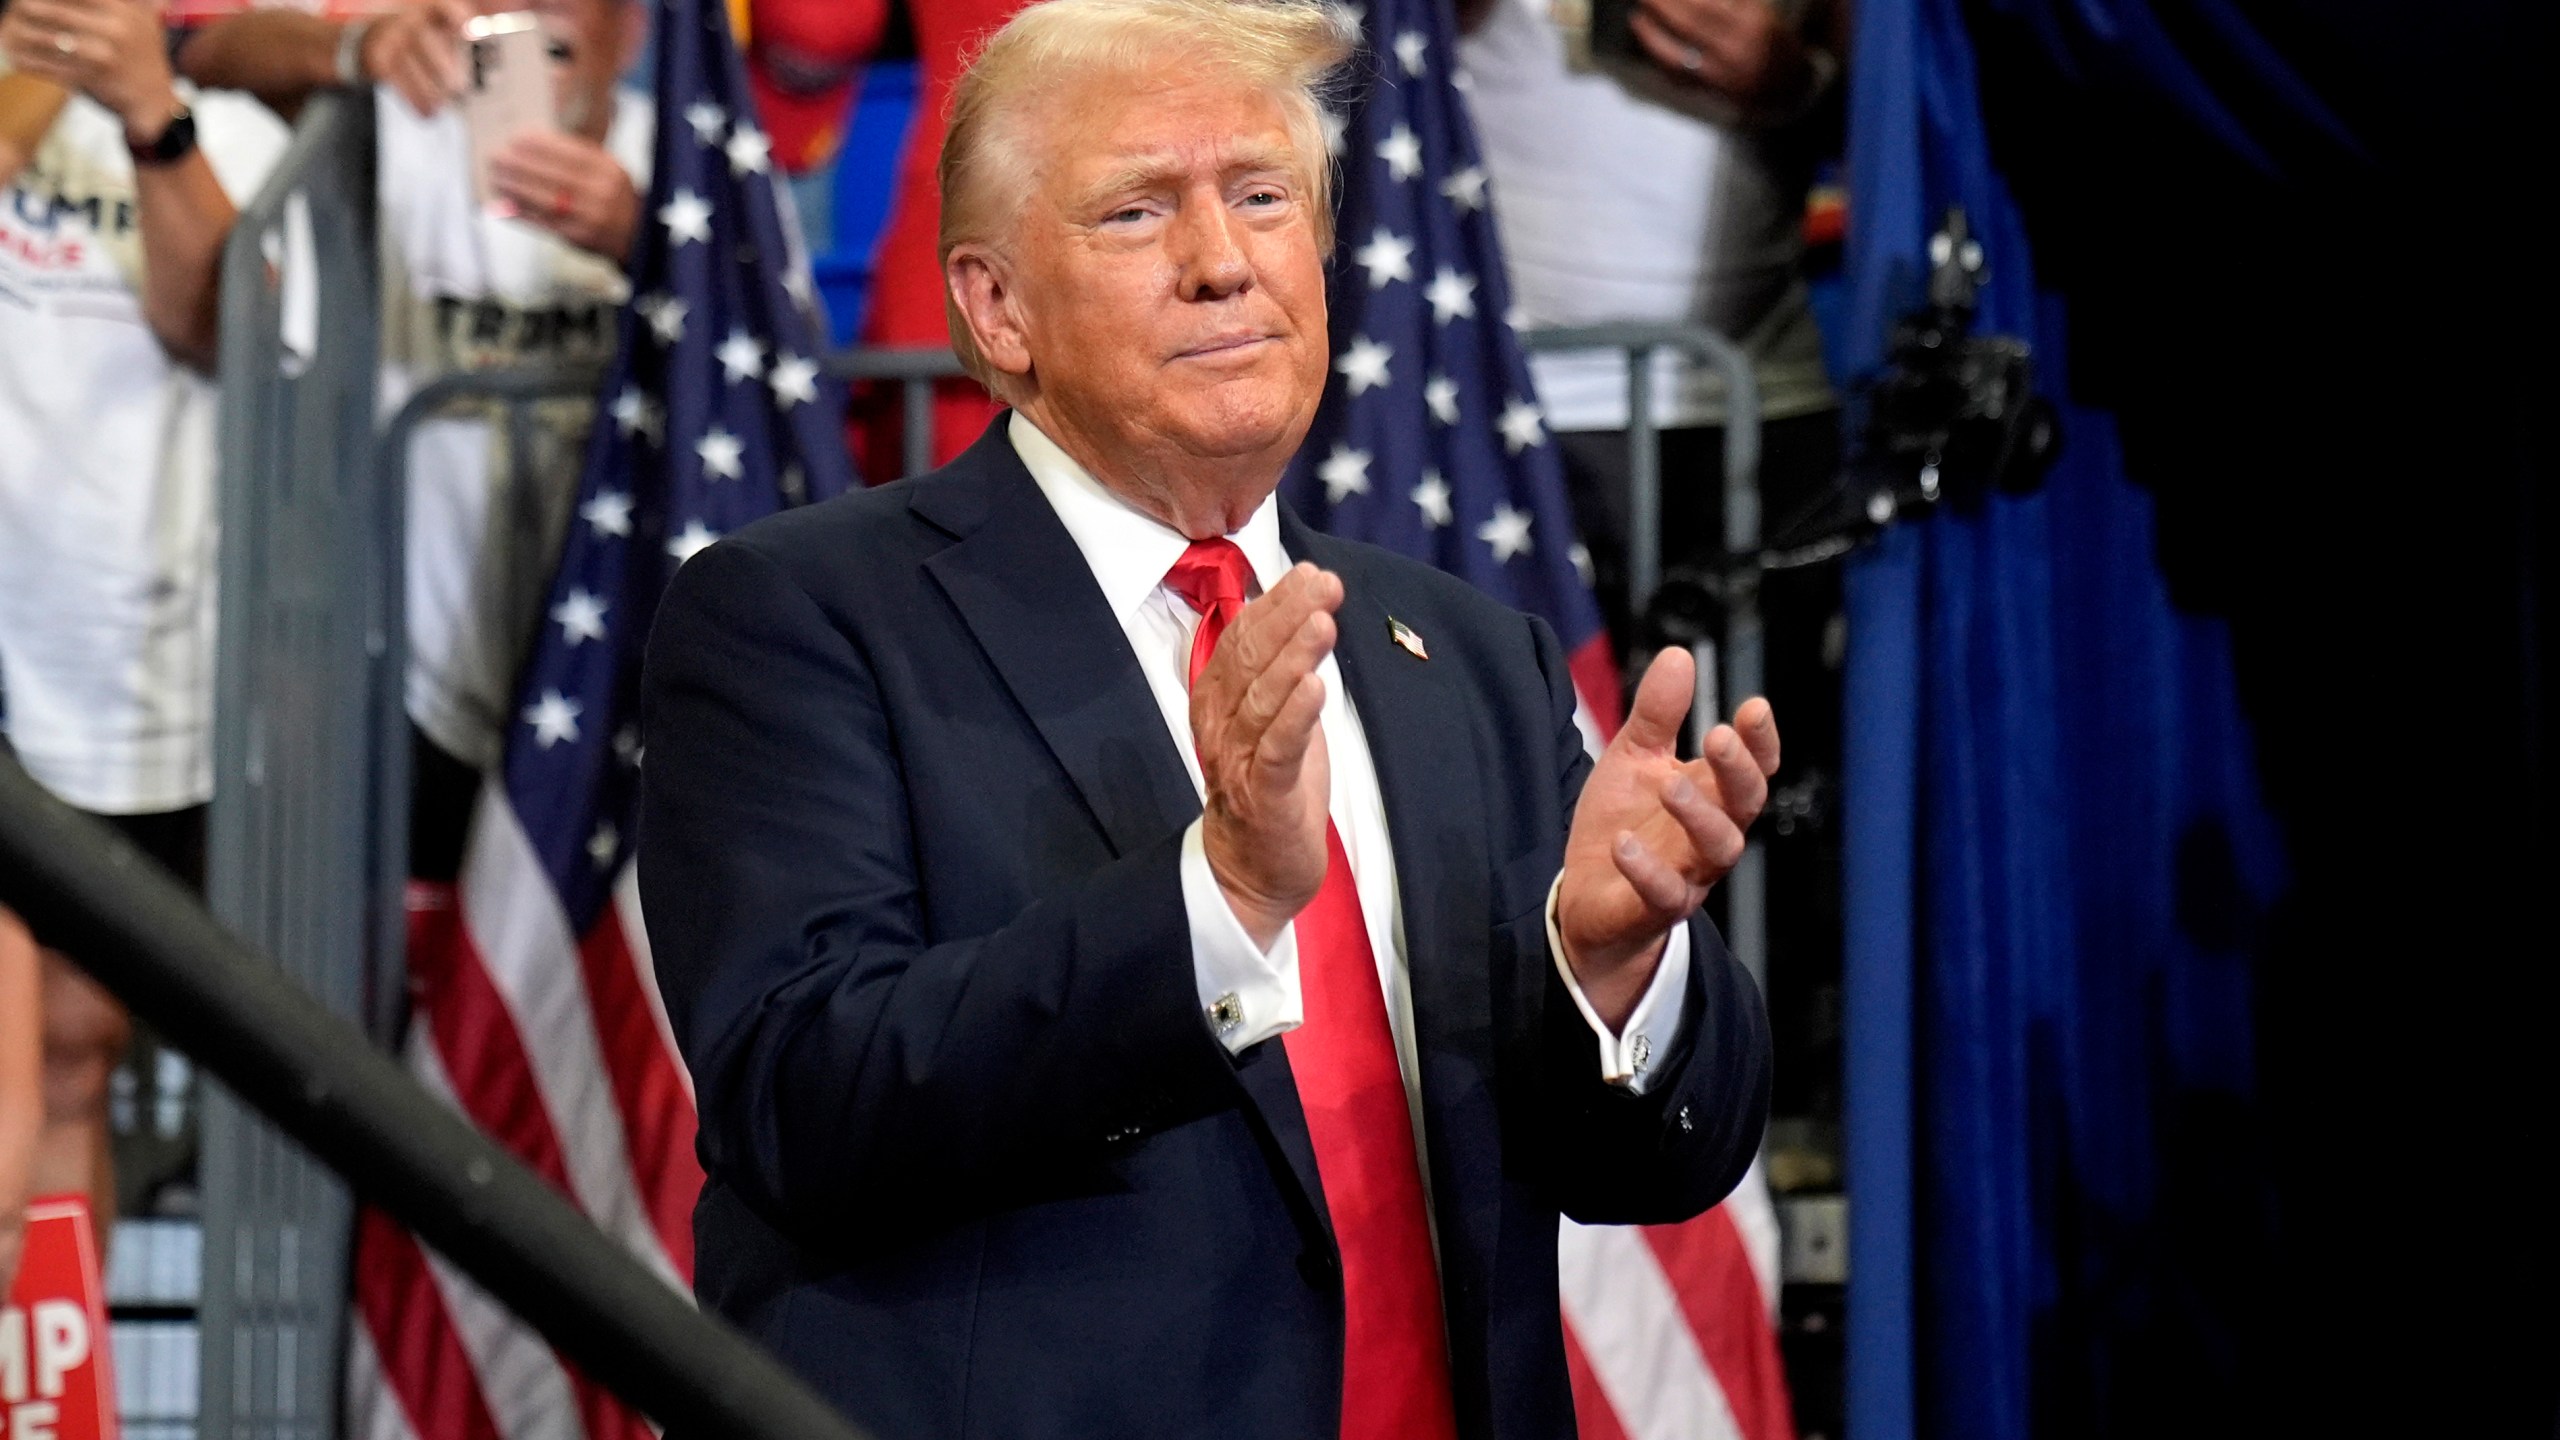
column 1651, row 835
column 1254, row 714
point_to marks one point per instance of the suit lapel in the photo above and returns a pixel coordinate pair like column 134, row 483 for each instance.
column 1028, row 597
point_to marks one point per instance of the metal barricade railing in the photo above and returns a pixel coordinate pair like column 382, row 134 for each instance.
column 915, row 371
column 318, row 1078
column 299, row 860
column 1741, row 667
column 308, row 865
column 514, row 393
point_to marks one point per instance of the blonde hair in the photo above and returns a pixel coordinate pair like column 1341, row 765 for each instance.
column 1289, row 48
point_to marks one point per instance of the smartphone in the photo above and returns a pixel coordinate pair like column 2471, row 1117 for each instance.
column 506, row 92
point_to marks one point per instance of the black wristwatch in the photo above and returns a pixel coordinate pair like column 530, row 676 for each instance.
column 176, row 139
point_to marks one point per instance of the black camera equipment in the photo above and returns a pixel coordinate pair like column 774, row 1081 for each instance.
column 1949, row 418
column 1952, row 415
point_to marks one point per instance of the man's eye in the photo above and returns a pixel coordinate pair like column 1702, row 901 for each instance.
column 1266, row 198
column 1130, row 215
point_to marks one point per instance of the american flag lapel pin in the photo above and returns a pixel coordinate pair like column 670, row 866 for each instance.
column 1407, row 639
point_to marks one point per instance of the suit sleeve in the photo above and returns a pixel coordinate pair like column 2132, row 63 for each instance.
column 1614, row 1156
column 843, row 1064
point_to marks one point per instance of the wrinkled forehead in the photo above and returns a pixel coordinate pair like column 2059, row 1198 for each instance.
column 1163, row 122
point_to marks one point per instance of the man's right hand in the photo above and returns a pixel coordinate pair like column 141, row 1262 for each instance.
column 418, row 52
column 1254, row 713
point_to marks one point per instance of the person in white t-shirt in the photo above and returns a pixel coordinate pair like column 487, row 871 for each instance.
column 1666, row 187
column 111, row 235
column 466, row 289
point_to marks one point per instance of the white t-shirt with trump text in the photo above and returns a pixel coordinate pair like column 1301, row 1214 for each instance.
column 107, row 518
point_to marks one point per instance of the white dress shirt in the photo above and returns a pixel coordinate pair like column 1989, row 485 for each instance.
column 1250, row 994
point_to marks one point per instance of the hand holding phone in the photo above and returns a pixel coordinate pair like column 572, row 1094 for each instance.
column 506, row 92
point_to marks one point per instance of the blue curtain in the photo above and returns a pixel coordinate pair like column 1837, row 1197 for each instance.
column 2057, row 872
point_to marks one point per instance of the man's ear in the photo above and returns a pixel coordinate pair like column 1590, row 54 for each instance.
column 983, row 295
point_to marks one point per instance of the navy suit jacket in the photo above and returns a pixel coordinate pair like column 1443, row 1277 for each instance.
column 978, row 1167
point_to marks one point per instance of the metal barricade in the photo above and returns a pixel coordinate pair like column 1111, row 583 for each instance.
column 301, row 863
column 915, row 371
column 1741, row 668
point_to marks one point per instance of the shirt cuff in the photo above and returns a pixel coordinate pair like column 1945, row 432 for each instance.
column 1247, row 994
column 1629, row 1057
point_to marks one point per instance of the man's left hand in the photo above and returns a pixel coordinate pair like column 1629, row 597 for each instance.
column 572, row 187
column 1651, row 835
column 113, row 51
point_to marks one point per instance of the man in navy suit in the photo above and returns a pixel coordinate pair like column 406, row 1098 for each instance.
column 1150, row 969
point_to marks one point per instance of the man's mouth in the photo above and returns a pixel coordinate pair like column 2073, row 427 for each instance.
column 1224, row 345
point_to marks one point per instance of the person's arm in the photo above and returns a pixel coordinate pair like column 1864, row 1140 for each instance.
column 282, row 56
column 27, row 108
column 1614, row 1154
column 21, row 1084
column 846, row 1063
column 116, row 53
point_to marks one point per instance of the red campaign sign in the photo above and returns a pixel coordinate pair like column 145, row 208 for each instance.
column 56, row 1382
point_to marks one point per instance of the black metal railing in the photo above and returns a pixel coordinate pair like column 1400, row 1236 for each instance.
column 87, row 891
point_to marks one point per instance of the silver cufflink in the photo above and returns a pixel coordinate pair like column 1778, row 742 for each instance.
column 1226, row 1013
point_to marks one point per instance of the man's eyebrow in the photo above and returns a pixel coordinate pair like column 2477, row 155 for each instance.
column 1146, row 173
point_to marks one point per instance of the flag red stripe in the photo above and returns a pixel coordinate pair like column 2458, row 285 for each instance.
column 1591, row 1413
column 482, row 1052
column 1595, row 680
column 478, row 1043
column 1719, row 1293
column 424, row 1364
column 657, row 1112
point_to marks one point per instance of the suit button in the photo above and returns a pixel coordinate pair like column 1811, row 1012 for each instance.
column 1321, row 1269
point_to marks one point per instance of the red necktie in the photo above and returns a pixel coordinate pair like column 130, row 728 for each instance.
column 1395, row 1363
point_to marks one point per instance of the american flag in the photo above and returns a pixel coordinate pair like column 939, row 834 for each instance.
column 1431, row 444
column 534, row 1007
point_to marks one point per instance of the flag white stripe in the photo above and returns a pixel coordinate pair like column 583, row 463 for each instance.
column 1589, row 724
column 1632, row 1330
column 635, row 934
column 523, row 939
column 1755, row 1218
column 528, row 1394
column 374, row 1412
column 521, row 1381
